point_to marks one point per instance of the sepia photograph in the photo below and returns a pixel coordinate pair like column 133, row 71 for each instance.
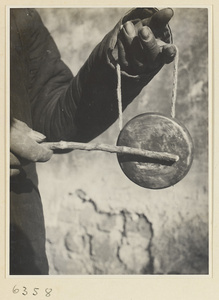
column 110, row 141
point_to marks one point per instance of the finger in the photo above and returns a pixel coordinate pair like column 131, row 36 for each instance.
column 36, row 153
column 124, row 42
column 14, row 172
column 146, row 22
column 14, row 160
column 161, row 18
column 133, row 48
column 168, row 53
column 122, row 57
column 149, row 43
column 129, row 31
column 36, row 136
column 40, row 153
column 125, row 39
column 142, row 23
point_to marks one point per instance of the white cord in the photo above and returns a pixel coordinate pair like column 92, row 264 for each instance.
column 175, row 81
column 119, row 95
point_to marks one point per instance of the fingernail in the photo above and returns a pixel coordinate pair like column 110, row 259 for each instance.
column 169, row 12
column 169, row 52
column 129, row 28
column 145, row 33
column 37, row 136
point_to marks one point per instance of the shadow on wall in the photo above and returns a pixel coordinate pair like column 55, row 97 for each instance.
column 98, row 222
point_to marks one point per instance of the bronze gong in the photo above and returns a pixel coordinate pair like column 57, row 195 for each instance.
column 155, row 132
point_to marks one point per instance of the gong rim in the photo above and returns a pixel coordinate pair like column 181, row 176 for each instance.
column 160, row 171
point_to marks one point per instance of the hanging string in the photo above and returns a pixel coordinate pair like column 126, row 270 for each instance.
column 119, row 91
column 119, row 95
column 174, row 89
column 175, row 81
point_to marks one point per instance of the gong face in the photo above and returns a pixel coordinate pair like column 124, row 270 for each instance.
column 158, row 133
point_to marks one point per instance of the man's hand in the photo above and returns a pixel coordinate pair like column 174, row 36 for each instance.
column 143, row 44
column 25, row 147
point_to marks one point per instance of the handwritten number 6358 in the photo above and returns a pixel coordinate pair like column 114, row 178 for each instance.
column 25, row 291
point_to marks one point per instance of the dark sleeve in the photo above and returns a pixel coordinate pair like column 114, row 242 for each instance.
column 76, row 108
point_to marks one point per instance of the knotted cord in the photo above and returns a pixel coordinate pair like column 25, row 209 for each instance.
column 174, row 89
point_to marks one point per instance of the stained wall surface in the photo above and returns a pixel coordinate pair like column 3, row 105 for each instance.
column 97, row 220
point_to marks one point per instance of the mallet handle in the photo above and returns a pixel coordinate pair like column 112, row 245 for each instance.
column 162, row 156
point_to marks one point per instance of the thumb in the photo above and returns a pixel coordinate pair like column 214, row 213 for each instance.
column 161, row 18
